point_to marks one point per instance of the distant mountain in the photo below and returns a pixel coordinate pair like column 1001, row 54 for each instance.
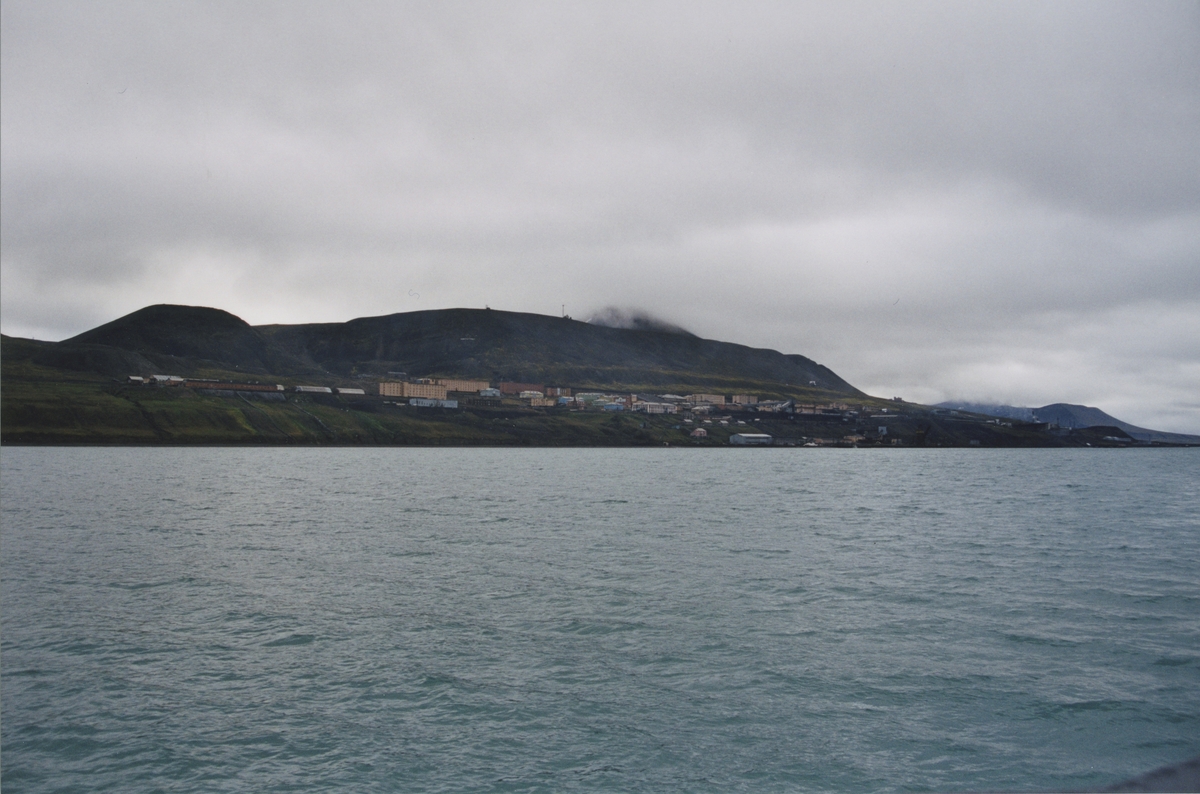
column 483, row 343
column 1073, row 417
column 1002, row 411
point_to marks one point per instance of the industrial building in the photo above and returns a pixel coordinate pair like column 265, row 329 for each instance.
column 226, row 386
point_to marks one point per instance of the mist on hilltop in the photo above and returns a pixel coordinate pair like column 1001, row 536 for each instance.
column 635, row 319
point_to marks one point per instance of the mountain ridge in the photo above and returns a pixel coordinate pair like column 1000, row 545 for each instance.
column 1071, row 416
column 488, row 343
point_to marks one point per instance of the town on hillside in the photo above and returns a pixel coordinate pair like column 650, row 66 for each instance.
column 697, row 416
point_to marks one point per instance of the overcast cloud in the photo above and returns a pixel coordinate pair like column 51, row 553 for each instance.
column 994, row 201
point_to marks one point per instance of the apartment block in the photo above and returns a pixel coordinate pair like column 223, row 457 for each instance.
column 458, row 384
column 430, row 391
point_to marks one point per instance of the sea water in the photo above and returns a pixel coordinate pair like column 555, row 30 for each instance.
column 379, row 620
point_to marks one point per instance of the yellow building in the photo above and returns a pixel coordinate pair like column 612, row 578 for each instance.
column 458, row 384
column 713, row 399
column 432, row 391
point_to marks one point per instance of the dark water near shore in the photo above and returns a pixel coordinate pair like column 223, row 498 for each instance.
column 609, row 620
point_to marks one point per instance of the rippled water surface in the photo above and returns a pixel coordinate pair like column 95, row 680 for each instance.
column 609, row 620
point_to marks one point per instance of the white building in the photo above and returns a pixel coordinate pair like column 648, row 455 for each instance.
column 655, row 408
column 428, row 402
column 751, row 439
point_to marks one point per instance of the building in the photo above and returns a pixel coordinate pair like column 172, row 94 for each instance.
column 425, row 402
column 744, row 399
column 655, row 408
column 489, row 392
column 310, row 389
column 529, row 395
column 557, row 391
column 751, row 439
column 699, row 432
column 350, row 391
column 509, row 387
column 460, row 384
column 542, row 402
column 198, row 383
column 710, row 399
column 429, row 391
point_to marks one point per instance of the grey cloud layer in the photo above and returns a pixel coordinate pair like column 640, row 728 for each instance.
column 868, row 184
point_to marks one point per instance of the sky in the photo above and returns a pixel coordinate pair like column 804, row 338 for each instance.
column 992, row 202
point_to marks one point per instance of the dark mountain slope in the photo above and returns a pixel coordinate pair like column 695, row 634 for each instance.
column 175, row 337
column 531, row 347
column 482, row 343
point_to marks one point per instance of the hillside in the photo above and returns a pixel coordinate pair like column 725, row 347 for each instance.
column 1071, row 416
column 79, row 391
column 476, row 343
column 187, row 336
